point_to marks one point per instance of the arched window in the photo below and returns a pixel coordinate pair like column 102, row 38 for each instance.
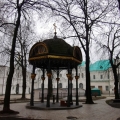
column 60, row 85
column 17, row 89
column 82, row 75
column 81, row 85
column 18, row 75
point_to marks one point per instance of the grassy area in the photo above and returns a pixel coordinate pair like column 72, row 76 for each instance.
column 115, row 105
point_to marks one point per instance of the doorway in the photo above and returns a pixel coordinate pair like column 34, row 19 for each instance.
column 17, row 89
column 100, row 87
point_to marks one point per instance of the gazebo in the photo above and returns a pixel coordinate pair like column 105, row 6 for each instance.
column 54, row 55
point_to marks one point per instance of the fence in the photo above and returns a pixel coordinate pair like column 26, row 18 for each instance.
column 62, row 95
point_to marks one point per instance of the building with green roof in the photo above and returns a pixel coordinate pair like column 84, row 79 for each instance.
column 100, row 65
column 101, row 76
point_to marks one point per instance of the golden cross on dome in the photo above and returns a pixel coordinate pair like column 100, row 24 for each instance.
column 55, row 27
column 55, row 30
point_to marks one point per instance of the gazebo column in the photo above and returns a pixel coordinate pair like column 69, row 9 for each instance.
column 43, row 78
column 49, row 91
column 71, row 86
column 57, row 96
column 32, row 87
column 49, row 74
column 68, row 76
column 77, row 77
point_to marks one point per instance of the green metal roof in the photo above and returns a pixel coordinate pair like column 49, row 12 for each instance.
column 100, row 65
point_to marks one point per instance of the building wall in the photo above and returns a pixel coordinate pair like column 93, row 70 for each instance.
column 103, row 80
column 17, row 79
column 63, row 80
column 98, row 79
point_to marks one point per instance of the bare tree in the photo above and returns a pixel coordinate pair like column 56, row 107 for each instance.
column 24, row 39
column 82, row 18
column 14, row 11
column 110, row 46
column 119, row 3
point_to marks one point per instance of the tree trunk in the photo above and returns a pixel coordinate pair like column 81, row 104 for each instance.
column 88, row 86
column 87, row 29
column 24, row 82
column 6, row 106
column 116, row 81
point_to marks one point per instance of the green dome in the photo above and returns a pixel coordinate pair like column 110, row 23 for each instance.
column 58, row 46
column 57, row 51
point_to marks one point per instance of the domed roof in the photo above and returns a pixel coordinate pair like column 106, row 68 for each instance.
column 58, row 46
column 55, row 48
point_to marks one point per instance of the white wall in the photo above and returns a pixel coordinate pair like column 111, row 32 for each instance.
column 17, row 79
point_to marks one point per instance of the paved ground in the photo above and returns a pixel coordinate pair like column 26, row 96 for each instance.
column 98, row 111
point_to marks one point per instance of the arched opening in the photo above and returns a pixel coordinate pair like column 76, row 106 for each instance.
column 17, row 89
column 81, row 85
column 60, row 85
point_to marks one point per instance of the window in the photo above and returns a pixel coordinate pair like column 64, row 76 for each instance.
column 108, row 76
column 41, row 49
column 18, row 75
column 60, row 75
column 101, row 67
column 60, row 85
column 82, row 75
column 79, row 75
column 93, row 76
column 81, row 85
column 101, row 76
column 7, row 72
column 72, row 75
column 107, row 88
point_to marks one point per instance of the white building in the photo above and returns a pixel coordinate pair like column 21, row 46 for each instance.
column 100, row 72
column 16, row 81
